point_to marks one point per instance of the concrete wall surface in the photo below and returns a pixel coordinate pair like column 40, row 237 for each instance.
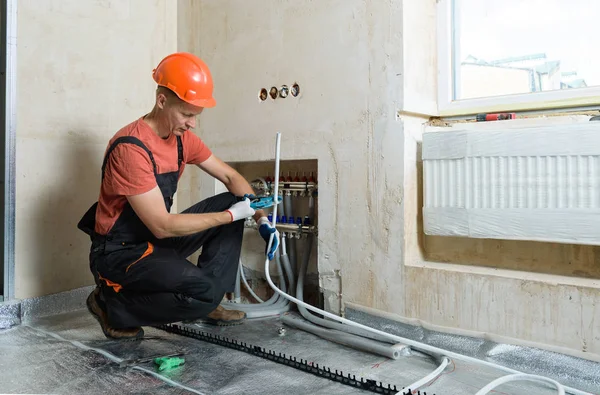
column 84, row 71
column 346, row 56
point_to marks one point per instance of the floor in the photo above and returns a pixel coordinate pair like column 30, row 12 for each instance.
column 52, row 355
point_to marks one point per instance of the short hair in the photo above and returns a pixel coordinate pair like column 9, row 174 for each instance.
column 170, row 95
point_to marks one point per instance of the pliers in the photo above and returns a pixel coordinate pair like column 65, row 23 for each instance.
column 258, row 203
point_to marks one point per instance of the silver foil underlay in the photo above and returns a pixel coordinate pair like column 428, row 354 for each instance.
column 571, row 371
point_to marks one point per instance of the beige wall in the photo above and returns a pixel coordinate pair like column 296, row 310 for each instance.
column 84, row 71
column 346, row 57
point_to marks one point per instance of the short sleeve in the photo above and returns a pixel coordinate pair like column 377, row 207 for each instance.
column 195, row 149
column 129, row 171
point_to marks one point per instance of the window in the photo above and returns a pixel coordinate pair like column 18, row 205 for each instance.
column 511, row 55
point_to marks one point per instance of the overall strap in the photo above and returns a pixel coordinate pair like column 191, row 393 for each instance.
column 179, row 152
column 134, row 141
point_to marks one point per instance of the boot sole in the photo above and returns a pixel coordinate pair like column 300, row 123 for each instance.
column 224, row 323
column 97, row 317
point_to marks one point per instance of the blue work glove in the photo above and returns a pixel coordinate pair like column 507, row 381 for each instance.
column 266, row 230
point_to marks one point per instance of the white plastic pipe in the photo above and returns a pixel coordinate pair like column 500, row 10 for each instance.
column 237, row 292
column 277, row 304
column 412, row 343
column 275, row 300
column 356, row 342
column 318, row 320
column 414, row 387
column 521, row 377
column 243, row 277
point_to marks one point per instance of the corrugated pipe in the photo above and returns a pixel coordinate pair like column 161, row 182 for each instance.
column 346, row 339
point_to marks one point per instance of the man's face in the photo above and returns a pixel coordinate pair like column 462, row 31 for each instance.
column 180, row 116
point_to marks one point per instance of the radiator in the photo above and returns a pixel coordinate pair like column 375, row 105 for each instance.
column 524, row 184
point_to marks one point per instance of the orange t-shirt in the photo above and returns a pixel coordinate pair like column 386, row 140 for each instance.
column 129, row 170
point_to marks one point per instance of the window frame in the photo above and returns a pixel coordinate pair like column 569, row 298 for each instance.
column 448, row 28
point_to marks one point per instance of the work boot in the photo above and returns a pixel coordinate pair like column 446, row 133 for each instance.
column 100, row 315
column 223, row 317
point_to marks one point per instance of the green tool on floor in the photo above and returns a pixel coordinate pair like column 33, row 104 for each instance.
column 166, row 363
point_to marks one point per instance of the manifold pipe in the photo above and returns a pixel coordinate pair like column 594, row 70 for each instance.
column 288, row 208
column 346, row 339
column 416, row 345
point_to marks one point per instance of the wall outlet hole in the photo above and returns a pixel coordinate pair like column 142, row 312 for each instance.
column 284, row 91
column 295, row 90
column 273, row 92
column 263, row 94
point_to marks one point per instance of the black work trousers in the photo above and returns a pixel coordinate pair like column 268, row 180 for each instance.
column 153, row 283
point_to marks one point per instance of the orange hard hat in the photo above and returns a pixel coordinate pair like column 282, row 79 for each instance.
column 188, row 77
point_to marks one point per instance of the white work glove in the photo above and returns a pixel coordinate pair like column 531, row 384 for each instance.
column 241, row 210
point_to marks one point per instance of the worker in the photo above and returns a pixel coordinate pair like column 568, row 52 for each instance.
column 139, row 249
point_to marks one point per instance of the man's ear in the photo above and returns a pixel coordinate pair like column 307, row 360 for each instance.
column 161, row 100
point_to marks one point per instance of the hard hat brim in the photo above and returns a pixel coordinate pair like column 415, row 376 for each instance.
column 206, row 103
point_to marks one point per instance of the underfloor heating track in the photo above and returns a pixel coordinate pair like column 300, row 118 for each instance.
column 291, row 361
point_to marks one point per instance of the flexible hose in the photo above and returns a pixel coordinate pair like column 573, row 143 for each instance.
column 281, row 306
column 414, row 387
column 287, row 266
column 344, row 338
column 276, row 301
column 248, row 288
column 415, row 344
column 521, row 377
column 237, row 292
column 242, row 276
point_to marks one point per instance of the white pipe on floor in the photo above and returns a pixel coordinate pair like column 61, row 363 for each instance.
column 520, row 377
column 414, row 387
column 415, row 344
column 356, row 342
